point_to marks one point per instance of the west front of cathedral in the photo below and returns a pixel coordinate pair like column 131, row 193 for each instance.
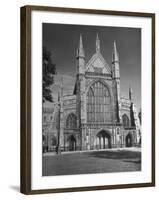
column 95, row 116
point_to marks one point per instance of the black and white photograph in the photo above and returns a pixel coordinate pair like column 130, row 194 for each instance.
column 88, row 99
column 91, row 99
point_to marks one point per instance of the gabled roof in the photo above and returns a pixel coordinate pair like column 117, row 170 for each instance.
column 98, row 63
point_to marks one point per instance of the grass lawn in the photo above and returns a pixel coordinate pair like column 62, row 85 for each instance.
column 91, row 162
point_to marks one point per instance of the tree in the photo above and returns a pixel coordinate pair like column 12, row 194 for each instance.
column 49, row 69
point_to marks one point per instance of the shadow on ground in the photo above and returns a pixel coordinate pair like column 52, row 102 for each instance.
column 15, row 188
column 125, row 156
column 115, row 154
column 138, row 161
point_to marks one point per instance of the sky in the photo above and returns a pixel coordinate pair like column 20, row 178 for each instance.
column 63, row 40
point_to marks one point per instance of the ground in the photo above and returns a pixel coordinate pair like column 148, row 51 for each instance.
column 106, row 161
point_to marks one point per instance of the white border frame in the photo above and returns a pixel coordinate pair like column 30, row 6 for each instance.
column 39, row 182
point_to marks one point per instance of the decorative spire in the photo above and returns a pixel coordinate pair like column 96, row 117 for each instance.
column 115, row 57
column 60, row 89
column 97, row 44
column 80, row 50
column 130, row 93
column 58, row 96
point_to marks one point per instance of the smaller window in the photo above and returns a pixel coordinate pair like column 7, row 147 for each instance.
column 118, row 131
column 125, row 119
column 98, row 70
column 44, row 118
column 44, row 138
column 71, row 121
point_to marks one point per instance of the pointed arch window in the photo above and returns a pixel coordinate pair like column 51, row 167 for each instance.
column 98, row 103
column 71, row 121
column 125, row 119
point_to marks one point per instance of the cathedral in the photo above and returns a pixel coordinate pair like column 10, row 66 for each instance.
column 95, row 116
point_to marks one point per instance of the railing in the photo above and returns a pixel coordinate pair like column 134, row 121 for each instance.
column 101, row 124
column 97, row 74
column 129, row 127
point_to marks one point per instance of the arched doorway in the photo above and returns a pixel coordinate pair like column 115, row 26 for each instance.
column 53, row 143
column 45, row 143
column 103, row 140
column 129, row 140
column 72, row 143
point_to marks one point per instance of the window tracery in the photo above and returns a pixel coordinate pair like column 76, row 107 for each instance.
column 98, row 103
column 125, row 119
column 71, row 121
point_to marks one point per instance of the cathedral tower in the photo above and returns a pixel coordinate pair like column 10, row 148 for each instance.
column 80, row 84
column 116, row 82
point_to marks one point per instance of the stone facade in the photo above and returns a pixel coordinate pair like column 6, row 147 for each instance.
column 95, row 116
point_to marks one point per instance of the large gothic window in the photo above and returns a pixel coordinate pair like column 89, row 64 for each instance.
column 71, row 121
column 98, row 103
column 125, row 119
